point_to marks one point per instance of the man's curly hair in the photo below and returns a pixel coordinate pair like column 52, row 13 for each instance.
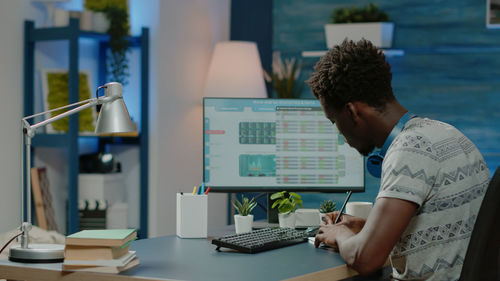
column 352, row 72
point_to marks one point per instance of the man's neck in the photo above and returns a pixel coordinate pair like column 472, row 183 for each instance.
column 388, row 119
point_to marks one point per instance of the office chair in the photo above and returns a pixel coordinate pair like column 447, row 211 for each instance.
column 482, row 260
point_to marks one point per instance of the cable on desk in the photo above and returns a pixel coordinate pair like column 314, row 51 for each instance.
column 7, row 244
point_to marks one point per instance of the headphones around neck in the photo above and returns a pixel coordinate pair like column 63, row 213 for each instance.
column 375, row 159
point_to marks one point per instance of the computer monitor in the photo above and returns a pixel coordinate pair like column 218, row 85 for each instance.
column 269, row 145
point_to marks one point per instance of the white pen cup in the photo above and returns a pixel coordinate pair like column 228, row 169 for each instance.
column 359, row 209
column 191, row 216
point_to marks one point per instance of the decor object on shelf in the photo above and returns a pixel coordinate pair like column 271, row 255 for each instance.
column 61, row 17
column 284, row 78
column 356, row 23
column 116, row 12
column 100, row 22
column 235, row 71
column 42, row 196
column 492, row 14
column 287, row 203
column 113, row 117
column 55, row 94
column 50, row 9
column 244, row 220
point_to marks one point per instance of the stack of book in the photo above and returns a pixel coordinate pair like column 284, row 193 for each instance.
column 105, row 250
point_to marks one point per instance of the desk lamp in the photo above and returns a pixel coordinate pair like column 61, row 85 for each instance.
column 113, row 118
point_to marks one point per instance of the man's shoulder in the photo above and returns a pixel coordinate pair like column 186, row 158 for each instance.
column 426, row 137
column 430, row 127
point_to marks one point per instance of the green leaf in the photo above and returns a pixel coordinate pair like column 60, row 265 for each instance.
column 278, row 195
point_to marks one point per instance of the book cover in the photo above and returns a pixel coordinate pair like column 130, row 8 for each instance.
column 101, row 269
column 119, row 262
column 102, row 237
column 72, row 252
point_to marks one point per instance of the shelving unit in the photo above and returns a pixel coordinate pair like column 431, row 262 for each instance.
column 69, row 140
column 387, row 52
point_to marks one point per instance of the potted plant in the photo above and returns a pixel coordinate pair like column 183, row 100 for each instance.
column 356, row 23
column 326, row 207
column 244, row 220
column 116, row 12
column 284, row 77
column 287, row 203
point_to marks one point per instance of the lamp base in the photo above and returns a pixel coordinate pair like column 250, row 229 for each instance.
column 37, row 253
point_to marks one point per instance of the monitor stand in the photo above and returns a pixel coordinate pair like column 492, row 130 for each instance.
column 272, row 213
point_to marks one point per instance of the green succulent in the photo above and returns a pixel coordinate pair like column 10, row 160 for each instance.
column 245, row 207
column 287, row 202
column 327, row 206
column 368, row 13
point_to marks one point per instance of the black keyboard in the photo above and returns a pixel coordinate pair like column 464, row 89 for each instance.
column 261, row 240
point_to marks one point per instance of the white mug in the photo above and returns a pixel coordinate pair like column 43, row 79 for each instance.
column 359, row 209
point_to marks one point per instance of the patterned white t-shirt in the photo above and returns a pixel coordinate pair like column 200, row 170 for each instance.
column 434, row 165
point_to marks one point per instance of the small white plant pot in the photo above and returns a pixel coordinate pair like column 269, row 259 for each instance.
column 243, row 224
column 379, row 33
column 287, row 220
column 100, row 22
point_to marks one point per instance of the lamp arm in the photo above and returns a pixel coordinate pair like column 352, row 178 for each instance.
column 30, row 129
column 59, row 108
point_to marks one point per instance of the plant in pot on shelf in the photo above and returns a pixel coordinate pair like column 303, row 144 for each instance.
column 287, row 203
column 356, row 23
column 116, row 12
column 244, row 220
column 285, row 77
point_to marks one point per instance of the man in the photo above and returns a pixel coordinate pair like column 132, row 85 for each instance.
column 433, row 177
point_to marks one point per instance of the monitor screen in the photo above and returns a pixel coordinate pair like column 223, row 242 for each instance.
column 268, row 145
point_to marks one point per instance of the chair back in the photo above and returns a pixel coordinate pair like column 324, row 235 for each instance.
column 482, row 260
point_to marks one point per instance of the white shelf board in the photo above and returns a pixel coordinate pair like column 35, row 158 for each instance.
column 388, row 52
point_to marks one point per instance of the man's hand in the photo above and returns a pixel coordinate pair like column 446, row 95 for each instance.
column 365, row 245
column 328, row 232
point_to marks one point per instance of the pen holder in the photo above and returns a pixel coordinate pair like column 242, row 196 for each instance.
column 191, row 216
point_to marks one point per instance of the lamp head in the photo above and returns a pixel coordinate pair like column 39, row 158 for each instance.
column 114, row 116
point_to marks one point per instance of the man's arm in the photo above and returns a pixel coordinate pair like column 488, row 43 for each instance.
column 368, row 250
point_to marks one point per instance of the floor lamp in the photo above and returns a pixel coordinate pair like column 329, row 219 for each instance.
column 235, row 71
column 113, row 118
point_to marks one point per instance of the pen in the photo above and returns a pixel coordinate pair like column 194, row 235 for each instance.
column 194, row 190
column 206, row 191
column 343, row 207
column 202, row 188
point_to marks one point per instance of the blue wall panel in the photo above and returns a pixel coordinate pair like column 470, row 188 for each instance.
column 450, row 70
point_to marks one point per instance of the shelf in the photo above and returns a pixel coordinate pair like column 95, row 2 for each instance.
column 388, row 52
column 67, row 32
column 62, row 140
column 70, row 140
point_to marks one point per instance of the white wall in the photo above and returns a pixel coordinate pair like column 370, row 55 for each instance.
column 183, row 35
column 12, row 15
column 188, row 31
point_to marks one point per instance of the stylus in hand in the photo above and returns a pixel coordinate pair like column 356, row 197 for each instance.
column 349, row 193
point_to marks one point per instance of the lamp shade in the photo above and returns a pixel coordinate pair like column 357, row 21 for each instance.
column 235, row 71
column 114, row 116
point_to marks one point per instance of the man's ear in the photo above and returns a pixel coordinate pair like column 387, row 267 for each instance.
column 353, row 111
